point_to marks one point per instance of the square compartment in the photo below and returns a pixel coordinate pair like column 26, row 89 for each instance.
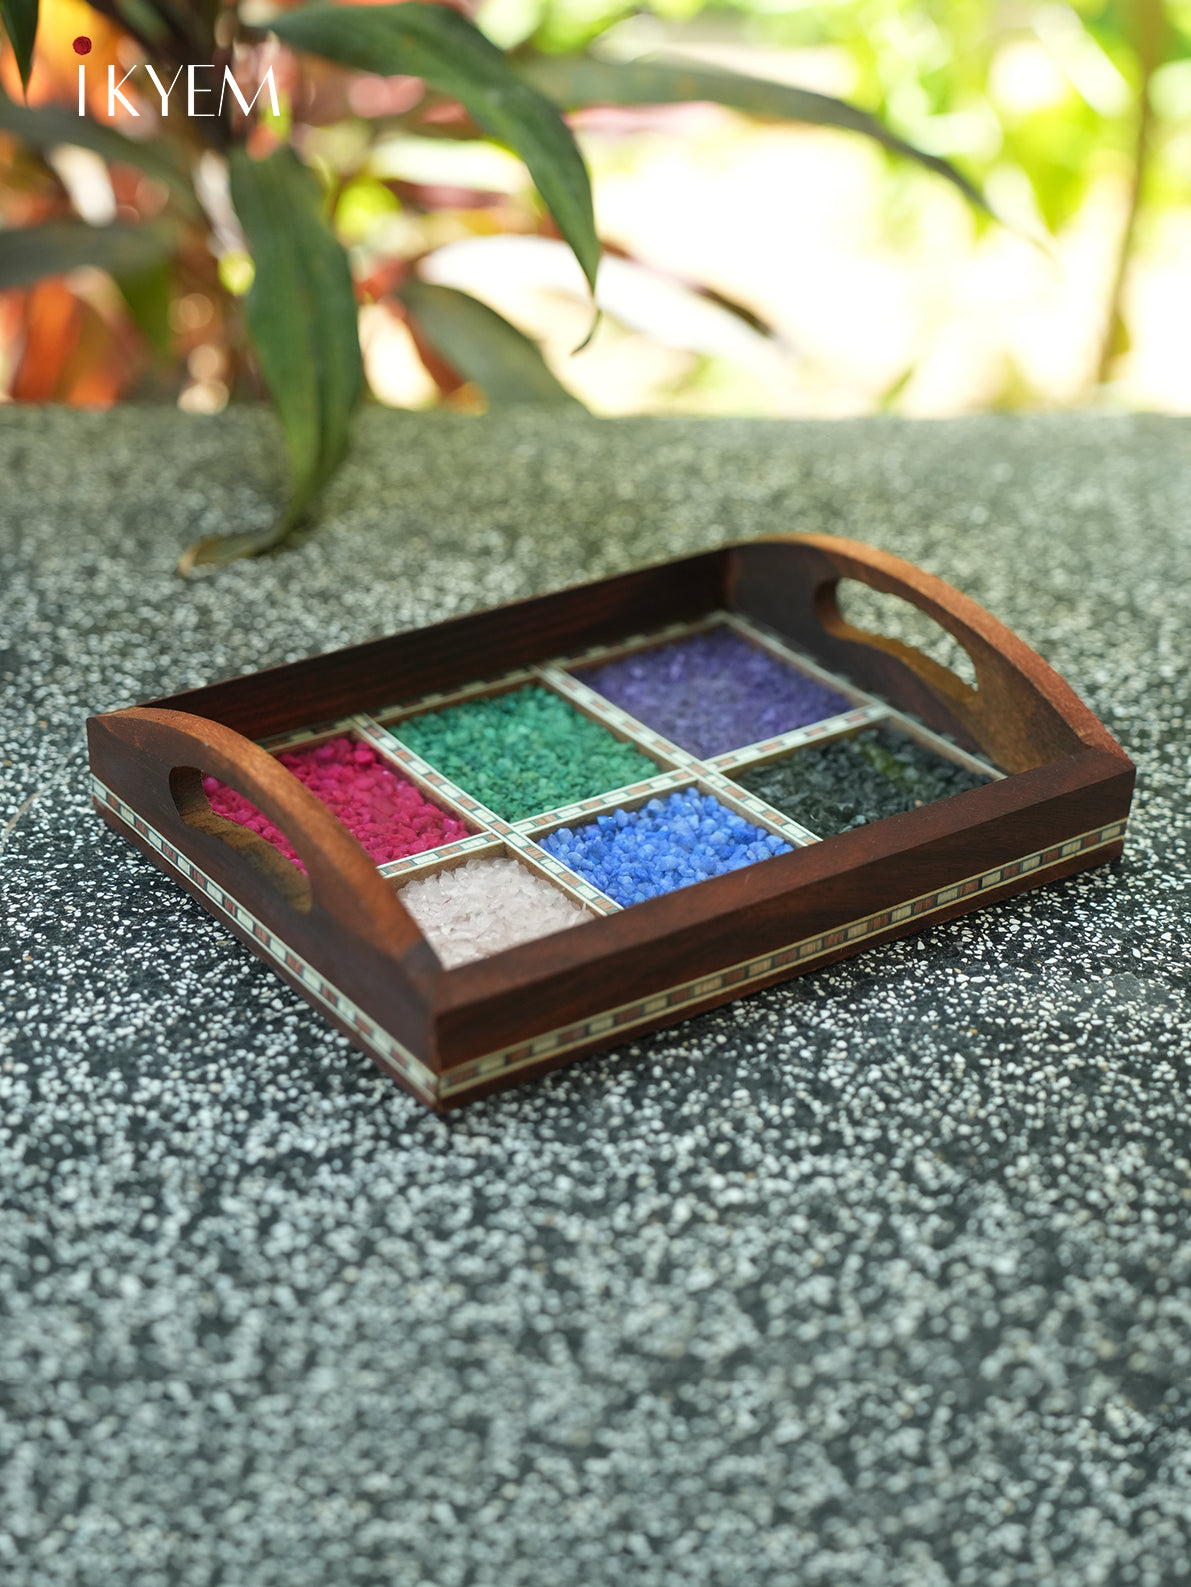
column 850, row 782
column 484, row 905
column 713, row 692
column 383, row 810
column 523, row 751
column 662, row 845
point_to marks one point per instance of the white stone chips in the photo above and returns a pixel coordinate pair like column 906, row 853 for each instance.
column 486, row 905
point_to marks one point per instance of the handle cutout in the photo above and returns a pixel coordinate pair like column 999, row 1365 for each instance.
column 192, row 804
column 888, row 616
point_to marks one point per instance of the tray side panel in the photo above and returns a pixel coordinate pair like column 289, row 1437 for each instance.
column 392, row 1058
column 461, row 1089
column 451, row 654
column 757, row 911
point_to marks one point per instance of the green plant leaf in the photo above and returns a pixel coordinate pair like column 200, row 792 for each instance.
column 301, row 313
column 28, row 253
column 148, row 294
column 47, row 126
column 445, row 50
column 484, row 348
column 576, row 81
column 20, row 22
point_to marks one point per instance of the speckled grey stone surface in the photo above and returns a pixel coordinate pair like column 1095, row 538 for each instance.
column 882, row 1277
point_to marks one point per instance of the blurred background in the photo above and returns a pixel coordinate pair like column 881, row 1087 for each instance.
column 756, row 265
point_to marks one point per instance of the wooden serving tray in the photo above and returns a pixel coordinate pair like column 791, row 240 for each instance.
column 1056, row 801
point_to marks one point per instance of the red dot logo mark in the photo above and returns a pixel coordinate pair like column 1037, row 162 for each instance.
column 82, row 45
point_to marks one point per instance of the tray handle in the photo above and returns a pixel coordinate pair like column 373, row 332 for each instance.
column 341, row 881
column 1020, row 713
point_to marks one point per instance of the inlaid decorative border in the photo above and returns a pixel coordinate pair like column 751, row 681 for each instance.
column 687, row 996
column 385, row 1046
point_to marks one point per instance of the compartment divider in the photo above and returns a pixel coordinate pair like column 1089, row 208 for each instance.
column 495, row 829
column 748, row 628
column 478, row 847
column 576, row 887
column 389, row 714
column 831, row 727
column 756, row 810
column 587, row 809
column 617, row 721
column 711, row 776
column 427, row 778
column 702, row 772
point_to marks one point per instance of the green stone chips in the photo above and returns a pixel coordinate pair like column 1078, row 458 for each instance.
column 523, row 752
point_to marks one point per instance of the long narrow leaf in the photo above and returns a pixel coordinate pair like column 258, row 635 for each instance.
column 48, row 126
column 445, row 50
column 148, row 294
column 302, row 321
column 28, row 253
column 485, row 349
column 576, row 81
column 20, row 22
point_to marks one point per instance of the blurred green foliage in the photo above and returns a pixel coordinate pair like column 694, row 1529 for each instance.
column 1019, row 94
column 404, row 130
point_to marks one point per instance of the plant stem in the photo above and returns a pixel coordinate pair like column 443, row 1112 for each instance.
column 1149, row 34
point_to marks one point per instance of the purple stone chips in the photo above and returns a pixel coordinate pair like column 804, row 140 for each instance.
column 713, row 692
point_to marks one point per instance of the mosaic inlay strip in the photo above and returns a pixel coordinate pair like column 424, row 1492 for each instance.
column 726, row 791
column 818, row 732
column 686, row 996
column 739, row 976
column 389, row 714
column 578, row 890
column 713, row 774
column 392, row 1053
column 654, row 787
column 592, row 704
column 440, row 856
column 574, row 885
column 414, row 766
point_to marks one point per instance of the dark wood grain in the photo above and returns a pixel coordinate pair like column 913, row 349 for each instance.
column 1021, row 884
column 750, row 912
column 348, row 921
column 1021, row 713
column 448, row 655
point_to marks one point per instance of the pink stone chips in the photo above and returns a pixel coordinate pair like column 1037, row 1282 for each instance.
column 385, row 812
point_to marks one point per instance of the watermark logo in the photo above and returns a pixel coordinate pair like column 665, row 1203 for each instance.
column 191, row 93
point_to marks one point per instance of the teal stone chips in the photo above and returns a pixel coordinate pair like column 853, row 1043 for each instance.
column 830, row 788
column 523, row 752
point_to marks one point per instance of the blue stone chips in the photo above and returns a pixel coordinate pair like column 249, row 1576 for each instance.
column 632, row 855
